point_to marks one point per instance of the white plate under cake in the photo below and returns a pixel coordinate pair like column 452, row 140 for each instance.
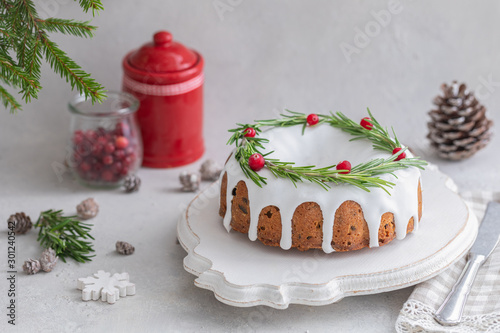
column 244, row 273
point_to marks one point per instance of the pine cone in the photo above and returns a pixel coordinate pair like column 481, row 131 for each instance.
column 190, row 181
column 132, row 183
column 124, row 248
column 48, row 260
column 87, row 209
column 31, row 266
column 459, row 127
column 210, row 170
column 21, row 222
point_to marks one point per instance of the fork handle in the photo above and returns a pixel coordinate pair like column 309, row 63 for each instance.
column 450, row 312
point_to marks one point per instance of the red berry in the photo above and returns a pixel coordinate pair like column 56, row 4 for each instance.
column 92, row 160
column 107, row 175
column 97, row 167
column 366, row 123
column 116, row 168
column 312, row 119
column 119, row 154
column 78, row 137
column 122, row 129
column 256, row 162
column 109, row 148
column 121, row 142
column 124, row 171
column 127, row 161
column 91, row 135
column 97, row 149
column 84, row 148
column 102, row 140
column 84, row 166
column 344, row 165
column 249, row 132
column 400, row 156
column 107, row 160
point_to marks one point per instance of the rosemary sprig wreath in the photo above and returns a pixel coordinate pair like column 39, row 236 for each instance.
column 364, row 175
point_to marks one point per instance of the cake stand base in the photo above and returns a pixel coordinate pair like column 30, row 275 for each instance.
column 245, row 273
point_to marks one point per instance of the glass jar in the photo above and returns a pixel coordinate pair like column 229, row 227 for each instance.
column 105, row 143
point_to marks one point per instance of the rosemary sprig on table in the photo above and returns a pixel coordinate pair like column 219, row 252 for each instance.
column 363, row 175
column 66, row 235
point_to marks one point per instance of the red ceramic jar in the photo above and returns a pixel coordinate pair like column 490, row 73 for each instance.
column 167, row 78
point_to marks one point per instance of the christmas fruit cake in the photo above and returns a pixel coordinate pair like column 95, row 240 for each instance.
column 282, row 186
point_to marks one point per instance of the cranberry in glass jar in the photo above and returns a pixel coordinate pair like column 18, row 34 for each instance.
column 105, row 141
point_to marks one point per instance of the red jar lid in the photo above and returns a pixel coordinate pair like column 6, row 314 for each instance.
column 163, row 61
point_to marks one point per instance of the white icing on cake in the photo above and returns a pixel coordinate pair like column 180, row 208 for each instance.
column 323, row 145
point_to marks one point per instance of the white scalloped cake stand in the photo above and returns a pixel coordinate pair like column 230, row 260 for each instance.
column 245, row 273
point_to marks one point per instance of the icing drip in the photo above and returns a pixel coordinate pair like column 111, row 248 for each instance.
column 289, row 144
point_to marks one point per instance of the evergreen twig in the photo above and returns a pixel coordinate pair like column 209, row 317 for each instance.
column 24, row 43
column 66, row 235
column 69, row 27
column 68, row 69
column 18, row 76
column 8, row 100
column 94, row 5
column 363, row 175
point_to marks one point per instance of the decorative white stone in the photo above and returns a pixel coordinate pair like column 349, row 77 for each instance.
column 106, row 287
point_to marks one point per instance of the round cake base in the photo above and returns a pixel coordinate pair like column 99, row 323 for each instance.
column 245, row 273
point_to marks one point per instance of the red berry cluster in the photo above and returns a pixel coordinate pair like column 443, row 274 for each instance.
column 104, row 155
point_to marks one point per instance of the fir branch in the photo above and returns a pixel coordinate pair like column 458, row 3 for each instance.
column 26, row 12
column 8, row 101
column 95, row 5
column 69, row 27
column 8, row 40
column 21, row 48
column 66, row 235
column 32, row 59
column 68, row 69
column 25, row 36
column 363, row 175
column 18, row 77
column 33, row 66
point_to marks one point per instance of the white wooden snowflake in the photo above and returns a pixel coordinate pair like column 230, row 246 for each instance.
column 106, row 287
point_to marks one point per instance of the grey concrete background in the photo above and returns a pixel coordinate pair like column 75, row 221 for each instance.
column 261, row 56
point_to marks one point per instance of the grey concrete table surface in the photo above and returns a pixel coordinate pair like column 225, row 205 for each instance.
column 261, row 56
